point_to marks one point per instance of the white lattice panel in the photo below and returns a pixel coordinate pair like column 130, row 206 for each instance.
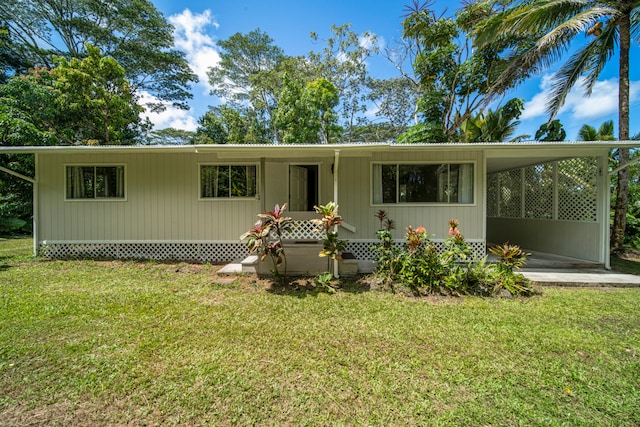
column 538, row 184
column 303, row 230
column 510, row 193
column 364, row 249
column 201, row 252
column 578, row 189
column 575, row 182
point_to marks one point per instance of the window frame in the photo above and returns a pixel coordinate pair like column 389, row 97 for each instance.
column 94, row 166
column 399, row 163
column 228, row 198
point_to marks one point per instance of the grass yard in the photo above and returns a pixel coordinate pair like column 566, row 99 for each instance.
column 89, row 343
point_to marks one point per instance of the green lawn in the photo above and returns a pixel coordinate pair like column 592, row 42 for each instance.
column 126, row 343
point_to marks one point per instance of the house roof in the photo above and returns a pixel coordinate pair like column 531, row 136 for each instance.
column 499, row 155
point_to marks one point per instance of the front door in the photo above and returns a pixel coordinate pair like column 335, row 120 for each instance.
column 303, row 187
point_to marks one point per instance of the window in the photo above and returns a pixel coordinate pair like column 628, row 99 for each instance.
column 225, row 181
column 423, row 183
column 95, row 182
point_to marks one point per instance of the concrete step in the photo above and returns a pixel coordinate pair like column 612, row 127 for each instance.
column 250, row 264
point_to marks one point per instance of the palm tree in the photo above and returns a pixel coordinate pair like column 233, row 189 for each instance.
column 603, row 133
column 492, row 126
column 555, row 24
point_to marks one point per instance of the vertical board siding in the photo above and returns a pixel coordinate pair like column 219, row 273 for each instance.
column 356, row 203
column 161, row 202
column 162, row 199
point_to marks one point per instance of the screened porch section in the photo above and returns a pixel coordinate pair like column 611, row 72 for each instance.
column 554, row 207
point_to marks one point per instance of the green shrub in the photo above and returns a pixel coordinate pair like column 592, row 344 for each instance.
column 424, row 270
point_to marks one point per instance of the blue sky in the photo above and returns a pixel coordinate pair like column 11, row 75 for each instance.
column 200, row 24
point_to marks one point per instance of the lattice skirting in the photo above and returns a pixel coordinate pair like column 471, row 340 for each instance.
column 362, row 249
column 196, row 251
column 161, row 251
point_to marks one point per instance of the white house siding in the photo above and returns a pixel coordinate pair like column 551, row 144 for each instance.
column 161, row 202
column 357, row 208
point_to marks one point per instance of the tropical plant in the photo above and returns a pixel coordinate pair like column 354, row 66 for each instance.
column 424, row 269
column 332, row 246
column 266, row 236
column 453, row 77
column 495, row 125
column 555, row 24
column 551, row 131
column 604, row 133
column 510, row 257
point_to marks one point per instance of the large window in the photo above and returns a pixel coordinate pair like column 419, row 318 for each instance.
column 225, row 181
column 95, row 182
column 423, row 183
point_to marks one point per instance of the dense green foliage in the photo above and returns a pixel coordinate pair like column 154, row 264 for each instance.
column 87, row 101
column 320, row 98
column 454, row 79
column 133, row 32
column 425, row 269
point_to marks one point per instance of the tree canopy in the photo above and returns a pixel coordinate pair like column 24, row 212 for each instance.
column 133, row 32
column 88, row 101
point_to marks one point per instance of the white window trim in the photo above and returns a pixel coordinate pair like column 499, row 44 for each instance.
column 227, row 199
column 97, row 199
column 424, row 204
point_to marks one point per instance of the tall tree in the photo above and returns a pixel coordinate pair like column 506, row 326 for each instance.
column 294, row 117
column 243, row 60
column 86, row 101
column 133, row 32
column 226, row 124
column 395, row 100
column 342, row 62
column 556, row 23
column 453, row 78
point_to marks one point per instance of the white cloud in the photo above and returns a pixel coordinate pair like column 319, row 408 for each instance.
column 171, row 117
column 191, row 36
column 369, row 41
column 602, row 102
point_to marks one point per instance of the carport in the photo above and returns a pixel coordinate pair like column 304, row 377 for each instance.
column 553, row 198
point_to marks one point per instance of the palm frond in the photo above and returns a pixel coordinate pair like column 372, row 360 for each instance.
column 576, row 24
column 587, row 133
column 603, row 49
column 531, row 18
column 635, row 21
column 591, row 59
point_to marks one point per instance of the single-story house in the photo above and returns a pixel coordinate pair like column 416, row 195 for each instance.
column 193, row 202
